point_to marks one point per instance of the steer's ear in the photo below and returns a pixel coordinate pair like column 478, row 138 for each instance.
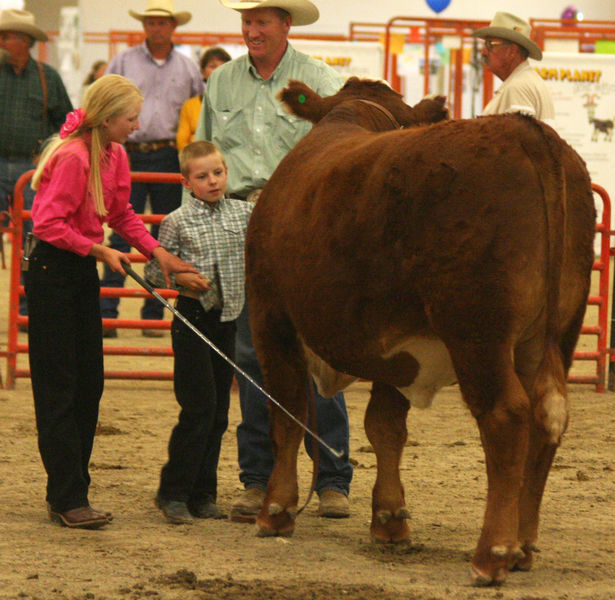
column 302, row 101
column 430, row 109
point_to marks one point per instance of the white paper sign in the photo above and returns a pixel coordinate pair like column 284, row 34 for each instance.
column 583, row 90
column 361, row 59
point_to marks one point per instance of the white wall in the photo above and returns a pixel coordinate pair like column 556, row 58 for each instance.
column 335, row 15
column 47, row 12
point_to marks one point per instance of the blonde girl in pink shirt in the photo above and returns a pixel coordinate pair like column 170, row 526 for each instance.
column 82, row 181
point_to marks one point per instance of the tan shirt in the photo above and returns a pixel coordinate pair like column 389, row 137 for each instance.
column 523, row 91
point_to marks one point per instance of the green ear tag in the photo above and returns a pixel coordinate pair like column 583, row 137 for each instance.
column 301, row 99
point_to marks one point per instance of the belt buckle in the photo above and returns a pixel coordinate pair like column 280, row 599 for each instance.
column 253, row 195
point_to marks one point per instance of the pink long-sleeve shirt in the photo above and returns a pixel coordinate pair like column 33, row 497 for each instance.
column 63, row 210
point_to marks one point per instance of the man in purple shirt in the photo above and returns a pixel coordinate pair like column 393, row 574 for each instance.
column 166, row 79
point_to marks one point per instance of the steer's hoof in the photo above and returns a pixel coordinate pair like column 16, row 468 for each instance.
column 525, row 560
column 491, row 564
column 275, row 522
column 389, row 528
column 482, row 579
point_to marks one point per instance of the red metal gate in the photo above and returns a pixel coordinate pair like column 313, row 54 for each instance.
column 603, row 230
column 14, row 348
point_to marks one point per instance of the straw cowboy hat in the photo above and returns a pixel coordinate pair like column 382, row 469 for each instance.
column 162, row 8
column 302, row 12
column 21, row 21
column 508, row 27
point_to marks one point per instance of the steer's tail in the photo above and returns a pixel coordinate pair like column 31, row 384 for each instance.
column 545, row 151
column 546, row 156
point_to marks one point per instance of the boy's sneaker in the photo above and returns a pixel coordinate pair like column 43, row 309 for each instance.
column 176, row 512
column 206, row 509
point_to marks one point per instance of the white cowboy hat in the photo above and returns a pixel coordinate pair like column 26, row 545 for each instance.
column 21, row 21
column 302, row 12
column 162, row 8
column 508, row 27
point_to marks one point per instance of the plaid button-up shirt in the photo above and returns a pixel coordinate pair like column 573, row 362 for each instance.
column 21, row 108
column 212, row 240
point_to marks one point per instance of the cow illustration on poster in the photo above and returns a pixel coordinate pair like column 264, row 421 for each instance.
column 604, row 126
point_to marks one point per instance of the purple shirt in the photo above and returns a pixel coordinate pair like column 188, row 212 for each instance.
column 63, row 211
column 165, row 88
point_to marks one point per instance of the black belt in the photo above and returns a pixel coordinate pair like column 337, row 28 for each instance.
column 149, row 146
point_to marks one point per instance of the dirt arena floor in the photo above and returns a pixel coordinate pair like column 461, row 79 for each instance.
column 141, row 556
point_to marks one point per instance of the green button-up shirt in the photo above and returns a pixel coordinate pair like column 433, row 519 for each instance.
column 21, row 108
column 243, row 117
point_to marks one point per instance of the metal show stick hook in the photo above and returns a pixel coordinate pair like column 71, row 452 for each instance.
column 158, row 297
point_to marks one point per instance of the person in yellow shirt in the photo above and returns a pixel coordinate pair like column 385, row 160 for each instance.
column 191, row 110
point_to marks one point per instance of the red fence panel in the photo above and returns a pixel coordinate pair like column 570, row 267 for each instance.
column 603, row 230
column 14, row 348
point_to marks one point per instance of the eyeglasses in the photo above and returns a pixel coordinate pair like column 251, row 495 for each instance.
column 489, row 45
column 9, row 36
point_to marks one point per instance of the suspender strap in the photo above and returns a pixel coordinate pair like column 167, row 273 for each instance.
column 41, row 74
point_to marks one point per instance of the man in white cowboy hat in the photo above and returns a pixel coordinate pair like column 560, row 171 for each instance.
column 167, row 79
column 242, row 115
column 505, row 53
column 33, row 106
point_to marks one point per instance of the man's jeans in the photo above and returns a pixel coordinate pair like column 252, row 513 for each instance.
column 253, row 442
column 11, row 169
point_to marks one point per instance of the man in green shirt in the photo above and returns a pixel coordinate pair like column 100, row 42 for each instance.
column 33, row 105
column 243, row 117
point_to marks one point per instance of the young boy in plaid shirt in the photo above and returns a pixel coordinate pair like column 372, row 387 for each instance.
column 207, row 231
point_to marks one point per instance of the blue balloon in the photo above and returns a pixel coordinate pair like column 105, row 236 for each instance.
column 438, row 5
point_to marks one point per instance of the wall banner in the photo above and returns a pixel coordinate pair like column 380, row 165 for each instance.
column 361, row 59
column 583, row 90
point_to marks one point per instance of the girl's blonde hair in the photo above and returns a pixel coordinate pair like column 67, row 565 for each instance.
column 109, row 96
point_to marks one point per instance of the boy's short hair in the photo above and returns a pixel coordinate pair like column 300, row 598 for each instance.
column 196, row 150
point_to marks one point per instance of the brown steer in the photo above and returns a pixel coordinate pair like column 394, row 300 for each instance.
column 459, row 251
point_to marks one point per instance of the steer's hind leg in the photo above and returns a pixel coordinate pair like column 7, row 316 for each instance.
column 501, row 407
column 385, row 426
column 548, row 424
column 285, row 376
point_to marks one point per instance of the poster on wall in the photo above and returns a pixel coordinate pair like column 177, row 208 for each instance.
column 361, row 59
column 583, row 90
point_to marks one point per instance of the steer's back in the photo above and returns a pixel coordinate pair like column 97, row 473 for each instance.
column 360, row 239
